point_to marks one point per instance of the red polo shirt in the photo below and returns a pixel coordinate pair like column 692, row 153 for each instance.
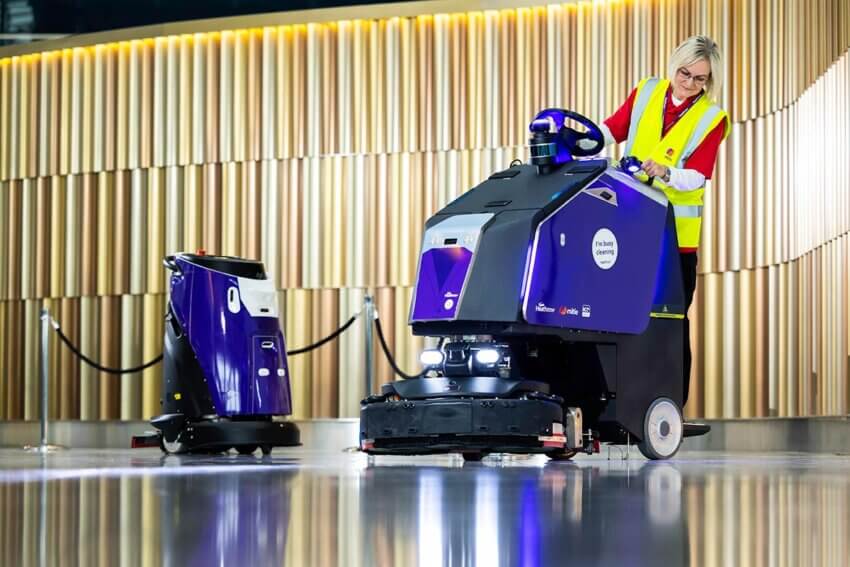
column 703, row 158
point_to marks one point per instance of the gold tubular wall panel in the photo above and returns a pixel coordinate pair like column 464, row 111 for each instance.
column 41, row 228
column 156, row 91
column 321, row 148
column 27, row 238
column 153, row 325
column 89, row 377
column 298, row 327
column 109, row 355
column 131, row 350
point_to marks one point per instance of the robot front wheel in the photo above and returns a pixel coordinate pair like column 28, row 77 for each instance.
column 178, row 448
column 250, row 449
column 663, row 430
column 171, row 447
column 476, row 456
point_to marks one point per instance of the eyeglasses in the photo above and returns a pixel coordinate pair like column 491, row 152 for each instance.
column 699, row 80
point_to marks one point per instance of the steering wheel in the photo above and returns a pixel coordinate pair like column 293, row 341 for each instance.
column 569, row 137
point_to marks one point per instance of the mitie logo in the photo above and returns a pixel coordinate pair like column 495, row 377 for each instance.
column 604, row 249
column 543, row 308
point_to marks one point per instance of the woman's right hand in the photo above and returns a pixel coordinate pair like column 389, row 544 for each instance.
column 654, row 169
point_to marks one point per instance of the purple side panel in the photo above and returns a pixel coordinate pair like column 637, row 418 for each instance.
column 442, row 274
column 232, row 348
column 568, row 289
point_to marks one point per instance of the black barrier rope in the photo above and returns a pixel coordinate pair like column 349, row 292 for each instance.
column 389, row 355
column 158, row 358
column 94, row 364
column 330, row 337
column 321, row 342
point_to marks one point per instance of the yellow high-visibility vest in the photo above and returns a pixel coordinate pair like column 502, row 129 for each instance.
column 673, row 149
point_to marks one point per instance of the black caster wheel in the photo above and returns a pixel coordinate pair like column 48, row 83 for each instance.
column 171, row 447
column 266, row 449
column 563, row 456
column 472, row 456
column 246, row 449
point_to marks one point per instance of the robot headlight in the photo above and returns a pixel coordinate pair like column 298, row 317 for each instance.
column 431, row 357
column 487, row 356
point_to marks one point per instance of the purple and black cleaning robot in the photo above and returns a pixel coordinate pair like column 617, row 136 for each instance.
column 224, row 364
column 555, row 290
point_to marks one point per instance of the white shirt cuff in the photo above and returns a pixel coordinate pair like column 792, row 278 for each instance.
column 686, row 179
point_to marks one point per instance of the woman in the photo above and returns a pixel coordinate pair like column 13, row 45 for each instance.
column 675, row 129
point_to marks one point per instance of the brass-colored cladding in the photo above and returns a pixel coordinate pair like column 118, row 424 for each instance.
column 153, row 326
column 42, row 228
column 29, row 398
column 139, row 237
column 89, row 377
column 321, row 148
column 67, row 367
column 291, row 222
column 73, row 231
column 132, row 316
column 106, row 227
column 155, row 244
column 109, row 323
column 185, row 143
column 121, row 231
column 57, row 237
column 212, row 209
column 17, row 357
column 326, row 318
column 298, row 330
column 6, row 238
column 88, row 235
column 122, row 106
column 409, row 84
column 27, row 268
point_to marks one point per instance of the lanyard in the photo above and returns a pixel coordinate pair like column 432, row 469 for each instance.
column 664, row 129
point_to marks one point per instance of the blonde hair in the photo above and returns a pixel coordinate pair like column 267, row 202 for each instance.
column 692, row 50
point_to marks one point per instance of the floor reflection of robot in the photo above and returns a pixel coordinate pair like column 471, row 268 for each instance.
column 224, row 517
column 594, row 514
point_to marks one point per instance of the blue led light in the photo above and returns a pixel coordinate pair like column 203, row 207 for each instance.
column 631, row 164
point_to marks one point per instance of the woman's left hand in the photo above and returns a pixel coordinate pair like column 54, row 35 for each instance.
column 654, row 169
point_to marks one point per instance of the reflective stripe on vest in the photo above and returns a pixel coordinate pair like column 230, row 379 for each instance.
column 687, row 211
column 638, row 109
column 699, row 133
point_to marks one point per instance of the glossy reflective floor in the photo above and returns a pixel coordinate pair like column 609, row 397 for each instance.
column 135, row 508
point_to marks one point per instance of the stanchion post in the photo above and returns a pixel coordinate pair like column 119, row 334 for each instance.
column 45, row 360
column 368, row 327
column 43, row 447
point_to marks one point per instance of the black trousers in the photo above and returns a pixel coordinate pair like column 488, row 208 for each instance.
column 689, row 279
